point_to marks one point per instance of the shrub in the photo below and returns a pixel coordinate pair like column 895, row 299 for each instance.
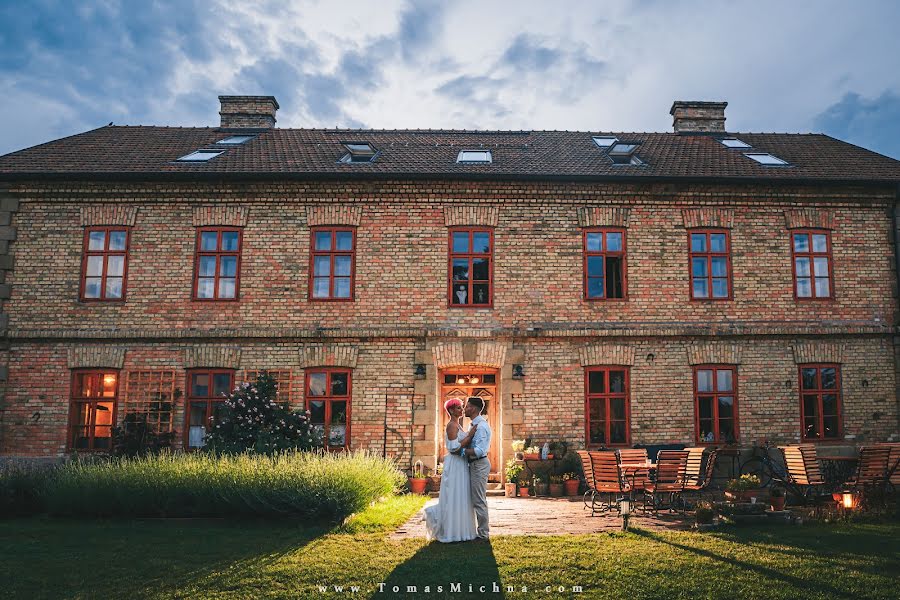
column 513, row 470
column 135, row 437
column 744, row 483
column 251, row 419
column 22, row 489
column 292, row 483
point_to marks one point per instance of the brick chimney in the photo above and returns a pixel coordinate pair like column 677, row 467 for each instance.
column 248, row 112
column 698, row 117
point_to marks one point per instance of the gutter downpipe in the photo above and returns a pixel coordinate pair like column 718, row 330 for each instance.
column 895, row 241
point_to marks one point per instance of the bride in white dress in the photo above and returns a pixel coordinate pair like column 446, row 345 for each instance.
column 452, row 519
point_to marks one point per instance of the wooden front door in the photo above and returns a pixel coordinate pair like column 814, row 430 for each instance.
column 462, row 383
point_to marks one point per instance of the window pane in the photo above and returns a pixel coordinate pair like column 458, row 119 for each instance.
column 221, row 384
column 726, row 429
column 617, row 432
column 323, row 240
column 617, row 409
column 704, row 380
column 344, row 240
column 801, row 242
column 719, row 267
column 480, row 293
column 317, row 411
column 617, row 382
column 200, row 385
column 97, row 240
column 823, row 287
column 92, row 287
column 819, row 242
column 802, row 267
column 228, row 266
column 705, row 407
column 698, row 267
column 717, row 242
column 209, row 240
column 229, row 241
column 460, row 241
column 810, row 405
column 725, row 380
column 338, row 412
column 481, row 242
column 227, row 288
column 820, row 266
column 595, row 287
column 460, row 295
column 829, row 378
column 706, row 431
column 317, row 384
column 595, row 266
column 698, row 242
column 808, row 379
column 94, row 266
column 701, row 288
column 197, row 430
column 461, row 269
column 596, row 382
column 804, row 288
column 594, row 242
column 117, row 240
column 720, row 288
column 811, row 428
column 207, row 266
column 113, row 287
column 109, row 385
column 115, row 266
column 614, row 277
column 341, row 287
column 320, row 287
column 480, row 270
column 339, row 384
column 322, row 266
column 829, row 404
column 614, row 242
column 205, row 287
column 342, row 266
column 726, row 407
column 598, row 421
column 832, row 429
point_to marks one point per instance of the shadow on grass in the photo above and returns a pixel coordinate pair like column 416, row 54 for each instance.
column 471, row 566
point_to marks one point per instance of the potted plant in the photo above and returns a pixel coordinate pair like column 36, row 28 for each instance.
column 705, row 513
column 418, row 481
column 776, row 498
column 518, row 447
column 540, row 486
column 557, row 450
column 556, row 486
column 514, row 470
column 571, row 483
column 524, row 490
column 742, row 489
column 532, row 453
column 434, row 481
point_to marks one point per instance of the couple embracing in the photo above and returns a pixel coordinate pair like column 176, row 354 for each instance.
column 461, row 513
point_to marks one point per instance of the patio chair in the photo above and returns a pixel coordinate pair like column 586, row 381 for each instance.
column 893, row 465
column 699, row 476
column 635, row 456
column 608, row 481
column 803, row 472
column 872, row 474
column 669, row 480
column 588, row 469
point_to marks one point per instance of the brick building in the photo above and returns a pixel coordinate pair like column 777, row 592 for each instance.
column 597, row 288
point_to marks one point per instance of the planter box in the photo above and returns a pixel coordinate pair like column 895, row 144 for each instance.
column 534, row 456
column 510, row 490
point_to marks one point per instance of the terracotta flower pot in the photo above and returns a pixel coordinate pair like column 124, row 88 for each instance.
column 524, row 492
column 556, row 490
column 777, row 502
column 417, row 486
column 571, row 486
column 510, row 490
column 532, row 456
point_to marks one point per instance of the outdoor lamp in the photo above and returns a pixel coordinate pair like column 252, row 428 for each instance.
column 625, row 503
column 848, row 500
column 420, row 371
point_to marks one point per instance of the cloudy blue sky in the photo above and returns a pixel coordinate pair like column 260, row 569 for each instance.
column 829, row 66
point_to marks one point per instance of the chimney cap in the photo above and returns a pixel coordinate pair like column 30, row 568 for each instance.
column 249, row 99
column 696, row 104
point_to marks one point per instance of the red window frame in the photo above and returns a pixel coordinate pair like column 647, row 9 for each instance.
column 219, row 254
column 811, row 255
column 819, row 392
column 470, row 256
column 106, row 253
column 211, row 400
column 715, row 393
column 709, row 255
column 604, row 253
column 332, row 254
column 605, row 397
column 329, row 399
column 77, row 399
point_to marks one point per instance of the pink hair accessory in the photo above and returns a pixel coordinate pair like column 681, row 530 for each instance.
column 451, row 403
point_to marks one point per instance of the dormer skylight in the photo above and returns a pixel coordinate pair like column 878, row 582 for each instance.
column 623, row 153
column 766, row 159
column 604, row 141
column 734, row 143
column 201, row 156
column 359, row 152
column 482, row 157
column 236, row 139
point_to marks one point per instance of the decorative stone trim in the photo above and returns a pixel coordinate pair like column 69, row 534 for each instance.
column 603, row 216
column 491, row 354
column 333, row 214
column 89, row 357
column 108, row 214
column 328, row 355
column 228, row 216
column 215, row 357
column 454, row 354
column 487, row 216
column 809, row 218
column 714, row 354
column 448, row 355
column 818, row 352
column 606, row 354
column 722, row 218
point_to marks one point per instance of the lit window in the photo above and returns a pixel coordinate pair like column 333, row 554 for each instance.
column 606, row 392
column 604, row 141
column 474, row 156
column 604, row 264
column 734, row 143
column 766, row 159
column 236, row 139
column 715, row 399
column 92, row 412
column 201, row 155
column 624, row 154
column 359, row 152
column 820, row 401
column 217, row 264
column 333, row 256
column 104, row 263
column 328, row 402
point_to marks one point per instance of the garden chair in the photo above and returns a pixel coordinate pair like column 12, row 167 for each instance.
column 803, row 472
column 588, row 469
column 608, row 481
column 698, row 478
column 893, row 465
column 635, row 456
column 669, row 479
column 872, row 474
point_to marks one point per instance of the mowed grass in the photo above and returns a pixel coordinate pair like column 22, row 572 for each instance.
column 59, row 558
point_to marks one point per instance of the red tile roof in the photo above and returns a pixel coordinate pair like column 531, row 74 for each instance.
column 146, row 151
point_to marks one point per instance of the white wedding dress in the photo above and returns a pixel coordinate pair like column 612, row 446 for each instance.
column 452, row 519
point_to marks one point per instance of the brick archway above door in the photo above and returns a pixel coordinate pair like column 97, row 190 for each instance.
column 454, row 354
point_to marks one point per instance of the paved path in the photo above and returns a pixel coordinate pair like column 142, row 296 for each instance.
column 546, row 516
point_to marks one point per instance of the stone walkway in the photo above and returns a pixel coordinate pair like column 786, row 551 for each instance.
column 548, row 516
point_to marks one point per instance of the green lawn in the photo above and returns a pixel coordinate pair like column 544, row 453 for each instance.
column 55, row 558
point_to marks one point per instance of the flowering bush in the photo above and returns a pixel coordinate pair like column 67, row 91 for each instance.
column 252, row 419
column 746, row 482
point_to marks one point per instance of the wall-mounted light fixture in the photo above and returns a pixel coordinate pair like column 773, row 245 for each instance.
column 865, row 383
column 420, row 371
column 787, row 384
column 467, row 379
column 518, row 371
column 650, row 357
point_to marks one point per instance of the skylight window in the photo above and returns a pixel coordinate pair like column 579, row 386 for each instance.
column 623, row 153
column 359, row 152
column 734, row 143
column 604, row 141
column 766, row 159
column 201, row 155
column 474, row 156
column 236, row 139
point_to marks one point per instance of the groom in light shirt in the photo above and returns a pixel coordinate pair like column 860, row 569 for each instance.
column 479, row 463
